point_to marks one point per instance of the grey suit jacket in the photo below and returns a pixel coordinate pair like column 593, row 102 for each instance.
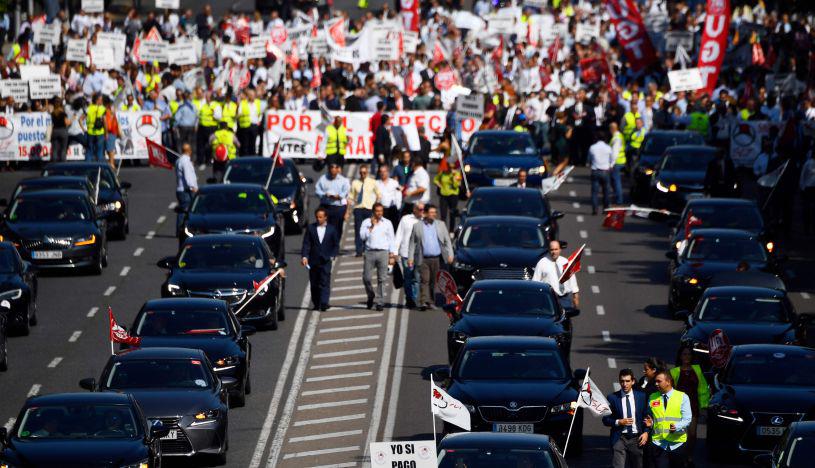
column 416, row 236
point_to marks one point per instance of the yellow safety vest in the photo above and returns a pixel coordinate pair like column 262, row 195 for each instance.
column 630, row 123
column 17, row 54
column 745, row 114
column 664, row 417
column 152, row 81
column 244, row 115
column 519, row 128
column 620, row 154
column 637, row 138
column 627, row 95
column 205, row 115
column 229, row 114
column 225, row 137
column 335, row 140
column 134, row 108
column 701, row 387
column 95, row 113
column 173, row 107
column 197, row 104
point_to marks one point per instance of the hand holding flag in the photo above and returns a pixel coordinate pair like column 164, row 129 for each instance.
column 118, row 334
column 573, row 265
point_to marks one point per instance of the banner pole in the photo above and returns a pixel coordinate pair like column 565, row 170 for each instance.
column 432, row 414
column 569, row 434
column 255, row 294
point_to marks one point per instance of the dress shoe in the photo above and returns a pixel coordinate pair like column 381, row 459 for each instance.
column 370, row 301
column 380, row 308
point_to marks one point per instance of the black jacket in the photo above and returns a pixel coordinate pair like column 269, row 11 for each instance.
column 319, row 253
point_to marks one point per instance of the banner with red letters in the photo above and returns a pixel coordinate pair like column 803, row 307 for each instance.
column 631, row 33
column 714, row 42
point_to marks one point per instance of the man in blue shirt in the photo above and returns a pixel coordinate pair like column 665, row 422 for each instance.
column 332, row 188
column 156, row 102
column 186, row 184
column 185, row 119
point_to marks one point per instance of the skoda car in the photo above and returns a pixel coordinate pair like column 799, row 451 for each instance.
column 762, row 390
column 516, row 384
column 235, row 209
column 178, row 387
column 727, row 213
column 651, row 151
column 227, row 267
column 510, row 307
column 494, row 157
column 491, row 449
column 112, row 199
column 57, row 229
column 205, row 324
column 512, row 201
column 82, row 429
column 18, row 286
column 680, row 176
column 288, row 187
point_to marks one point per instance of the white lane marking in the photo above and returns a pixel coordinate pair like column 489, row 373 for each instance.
column 92, row 312
column 352, row 317
column 579, row 218
column 576, row 205
column 350, row 352
column 110, row 290
column 595, row 289
column 172, row 205
column 329, row 435
column 314, row 453
column 572, row 193
column 584, row 234
column 350, row 375
column 336, row 465
column 354, row 327
column 570, row 179
column 9, row 423
column 591, row 269
column 601, row 310
column 805, row 295
column 161, row 219
column 344, row 280
column 342, row 364
column 606, row 336
column 612, row 363
column 35, row 389
column 150, row 235
column 359, row 287
column 309, row 422
column 54, row 362
column 352, row 271
column 349, row 297
column 125, row 271
column 138, row 251
column 616, row 386
column 75, row 336
column 398, row 365
column 352, row 261
column 587, row 251
column 331, row 404
column 352, row 388
column 348, row 340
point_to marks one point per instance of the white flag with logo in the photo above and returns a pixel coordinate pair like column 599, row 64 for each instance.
column 592, row 397
column 448, row 408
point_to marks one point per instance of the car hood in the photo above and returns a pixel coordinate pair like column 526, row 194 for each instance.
column 513, row 325
column 500, row 256
column 208, row 280
column 215, row 347
column 36, row 231
column 705, row 269
column 171, row 403
column 228, row 221
column 742, row 332
column 524, row 393
column 108, row 196
column 496, row 161
column 772, row 398
column 682, row 178
column 80, row 452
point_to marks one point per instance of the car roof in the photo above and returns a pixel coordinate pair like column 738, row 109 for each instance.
column 507, row 191
column 159, row 353
column 52, row 180
column 496, row 133
column 56, row 193
column 743, row 291
column 231, row 188
column 80, row 398
column 509, row 283
column 484, row 440
column 77, row 164
column 720, row 202
column 686, row 148
column 722, row 232
column 511, row 342
column 492, row 219
column 767, row 348
column 212, row 238
column 184, row 303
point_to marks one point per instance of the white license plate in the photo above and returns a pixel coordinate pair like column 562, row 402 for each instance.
column 503, row 182
column 770, row 431
column 172, row 435
column 47, row 255
column 514, row 428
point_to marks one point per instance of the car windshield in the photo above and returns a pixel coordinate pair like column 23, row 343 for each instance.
column 520, row 364
column 182, row 323
column 510, row 302
column 107, row 180
column 657, row 144
column 508, row 205
column 726, row 250
column 228, row 201
column 483, row 236
column 724, row 216
column 778, row 369
column 9, row 262
column 86, row 421
column 221, row 255
column 742, row 309
column 505, row 144
column 158, row 373
column 801, row 452
column 26, row 210
column 494, row 458
column 66, row 185
column 687, row 161
column 257, row 172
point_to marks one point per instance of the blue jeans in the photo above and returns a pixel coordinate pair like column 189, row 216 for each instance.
column 95, row 150
column 617, row 180
column 411, row 281
column 599, row 179
column 184, row 200
column 565, row 301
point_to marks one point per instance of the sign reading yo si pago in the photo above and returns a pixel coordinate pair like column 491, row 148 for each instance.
column 412, row 454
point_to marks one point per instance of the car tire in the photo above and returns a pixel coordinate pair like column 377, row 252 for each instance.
column 247, row 386
column 239, row 399
column 281, row 306
column 32, row 316
column 3, row 353
column 24, row 328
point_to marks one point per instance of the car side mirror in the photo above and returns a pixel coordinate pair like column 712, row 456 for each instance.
column 229, row 383
column 557, row 214
column 166, row 263
column 158, row 430
column 88, row 384
column 280, row 264
column 248, row 330
column 763, row 459
column 572, row 312
column 671, row 255
column 441, row 374
column 212, row 180
column 125, row 185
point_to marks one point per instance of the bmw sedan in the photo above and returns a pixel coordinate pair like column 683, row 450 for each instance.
column 227, row 267
column 680, row 176
column 512, row 201
column 494, row 157
column 762, row 390
column 205, row 324
column 57, row 229
column 497, row 450
column 178, row 387
column 516, row 384
column 82, row 429
column 18, row 286
column 510, row 307
column 651, row 151
column 726, row 213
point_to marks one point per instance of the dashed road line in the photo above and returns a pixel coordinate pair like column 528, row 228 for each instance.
column 805, row 295
column 601, row 310
column 92, row 312
column 587, row 251
column 576, row 205
column 606, row 336
column 349, row 288
column 612, row 363
column 349, row 328
column 348, row 340
column 161, row 219
column 579, row 218
column 584, row 234
column 595, row 289
column 352, row 317
column 75, row 336
column 138, row 251
column 351, row 271
column 110, row 290
column 570, row 179
column 352, row 388
column 150, row 235
column 172, row 205
column 314, row 453
column 342, row 364
column 591, row 269
column 350, row 352
column 35, row 389
column 329, row 435
column 332, row 404
column 572, row 193
column 54, row 362
column 125, row 271
column 310, row 422
column 343, row 280
column 350, row 375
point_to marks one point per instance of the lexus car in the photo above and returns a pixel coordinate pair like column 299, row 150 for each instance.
column 498, row 247
column 727, row 213
column 82, row 429
column 795, row 449
column 228, row 267
column 762, row 390
column 516, row 384
column 512, row 201
column 235, row 209
column 680, row 176
column 288, row 187
column 494, row 157
column 653, row 147
column 18, row 286
column 510, row 307
column 36, row 184
column 497, row 450
column 205, row 324
column 112, row 199
column 178, row 387
column 57, row 229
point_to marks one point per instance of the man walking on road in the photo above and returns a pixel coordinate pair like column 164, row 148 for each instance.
column 429, row 240
column 333, row 188
column 186, row 184
column 403, row 238
column 321, row 245
column 361, row 198
column 601, row 160
column 629, row 435
column 418, row 187
column 380, row 251
column 549, row 270
column 670, row 417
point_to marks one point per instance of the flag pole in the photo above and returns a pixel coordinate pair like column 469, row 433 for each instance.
column 574, row 416
column 433, row 414
column 781, row 174
column 98, row 180
column 274, row 163
column 255, row 294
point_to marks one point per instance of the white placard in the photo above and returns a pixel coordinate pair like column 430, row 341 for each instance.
column 168, row 4
column 384, row 43
column 34, row 71
column 17, row 89
column 153, row 51
column 501, row 24
column 45, row 87
column 674, row 39
column 231, row 51
column 410, row 41
column 76, row 50
column 536, row 3
column 470, row 106
column 585, row 32
column 93, row 6
column 413, row 454
column 102, row 57
column 117, row 42
column 256, row 49
column 47, row 34
column 689, row 79
column 318, row 45
column 182, row 53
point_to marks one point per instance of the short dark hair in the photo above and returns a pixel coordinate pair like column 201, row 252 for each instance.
column 667, row 375
column 429, row 206
column 655, row 363
column 627, row 373
column 377, row 205
column 325, row 212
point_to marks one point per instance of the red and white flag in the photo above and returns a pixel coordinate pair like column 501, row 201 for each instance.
column 714, row 42
column 337, row 32
column 573, row 265
column 316, row 75
column 448, row 408
column 446, row 285
column 440, row 54
column 592, row 397
column 119, row 334
column 614, row 219
column 719, row 348
column 691, row 223
column 631, row 33
column 157, row 155
column 259, row 288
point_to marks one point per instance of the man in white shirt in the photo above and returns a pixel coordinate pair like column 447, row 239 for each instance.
column 549, row 270
column 418, row 187
column 601, row 159
column 390, row 194
column 380, row 251
column 403, row 244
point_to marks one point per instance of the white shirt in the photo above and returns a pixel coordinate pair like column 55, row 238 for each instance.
column 546, row 271
column 601, row 156
column 403, row 233
column 419, row 178
column 633, row 414
column 320, row 232
column 390, row 194
column 380, row 238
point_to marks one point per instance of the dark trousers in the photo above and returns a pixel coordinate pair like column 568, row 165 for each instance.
column 184, row 199
column 626, row 452
column 448, row 208
column 218, row 170
column 59, row 144
column 392, row 215
column 335, row 216
column 246, row 137
column 427, row 272
column 319, row 277
column 186, row 135
column 599, row 179
column 661, row 458
column 335, row 158
column 809, row 210
column 202, row 143
column 359, row 216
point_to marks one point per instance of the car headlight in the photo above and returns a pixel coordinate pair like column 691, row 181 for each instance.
column 173, row 288
column 114, row 206
column 87, row 240
column 468, row 168
column 142, row 464
column 11, row 294
column 460, row 337
column 267, row 233
column 567, row 407
column 537, row 170
column 729, row 414
column 227, row 362
column 692, row 281
column 205, row 417
column 661, row 187
column 770, row 246
column 462, row 266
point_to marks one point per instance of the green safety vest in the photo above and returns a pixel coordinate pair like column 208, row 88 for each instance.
column 173, row 107
column 95, row 113
column 134, row 108
column 701, row 387
column 637, row 138
column 335, row 140
column 244, row 114
column 699, row 122
column 664, row 417
column 225, row 137
column 205, row 114
column 620, row 154
column 745, row 114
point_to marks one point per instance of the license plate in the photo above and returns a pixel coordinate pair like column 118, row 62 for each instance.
column 514, row 428
column 503, row 182
column 770, row 431
column 47, row 255
column 172, row 435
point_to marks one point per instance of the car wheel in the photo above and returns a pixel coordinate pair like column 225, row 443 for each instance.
column 272, row 323
column 99, row 266
column 104, row 255
column 239, row 399
column 281, row 306
column 671, row 308
column 24, row 327
column 32, row 314
column 247, row 386
column 3, row 353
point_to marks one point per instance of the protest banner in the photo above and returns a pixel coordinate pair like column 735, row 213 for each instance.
column 500, row 24
column 34, row 71
column 93, row 6
column 413, row 454
column 103, row 57
column 256, row 49
column 470, row 106
column 689, row 79
column 714, row 42
column 674, row 39
column 47, row 34
column 181, row 53
column 168, row 4
column 24, row 133
column 745, row 141
column 410, row 41
column 153, row 51
column 45, row 87
column 117, row 41
column 631, row 33
column 16, row 89
column 76, row 50
column 585, row 32
column 136, row 128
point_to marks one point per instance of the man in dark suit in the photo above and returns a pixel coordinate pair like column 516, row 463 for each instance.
column 321, row 244
column 629, row 434
column 521, row 183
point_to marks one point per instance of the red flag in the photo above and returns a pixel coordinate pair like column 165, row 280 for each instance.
column 337, row 32
column 157, row 155
column 446, row 285
column 316, row 75
column 573, row 265
column 293, row 58
column 719, row 348
column 445, row 79
column 714, row 42
column 614, row 219
column 409, row 9
column 691, row 223
column 264, row 282
column 439, row 54
column 631, row 33
column 119, row 334
column 553, row 49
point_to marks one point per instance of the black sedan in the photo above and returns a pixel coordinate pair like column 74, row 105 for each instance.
column 82, row 429
column 653, row 147
column 680, row 176
column 18, row 286
column 36, row 184
column 747, row 315
column 235, row 209
column 5, row 311
column 178, row 387
column 227, row 267
column 516, row 384
column 496, row 450
column 795, row 449
column 112, row 194
column 510, row 307
column 513, row 201
column 498, row 247
column 707, row 253
column 57, row 229
column 762, row 390
column 205, row 324
column 494, row 157
column 288, row 187
column 727, row 213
